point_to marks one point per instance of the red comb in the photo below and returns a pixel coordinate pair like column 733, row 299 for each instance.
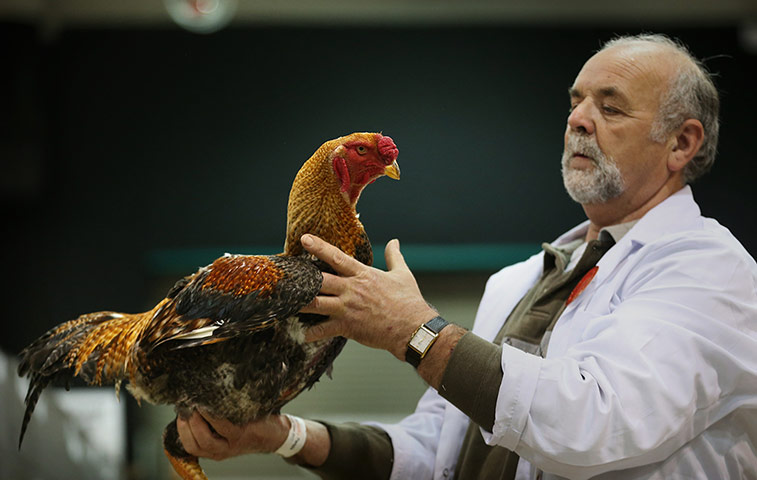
column 388, row 150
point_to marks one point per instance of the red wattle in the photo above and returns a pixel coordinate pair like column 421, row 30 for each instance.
column 342, row 172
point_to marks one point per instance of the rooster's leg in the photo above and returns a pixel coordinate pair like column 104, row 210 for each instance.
column 186, row 465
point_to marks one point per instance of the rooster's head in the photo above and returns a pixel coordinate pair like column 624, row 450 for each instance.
column 360, row 159
column 326, row 190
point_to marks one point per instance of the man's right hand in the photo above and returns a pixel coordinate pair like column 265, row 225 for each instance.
column 218, row 439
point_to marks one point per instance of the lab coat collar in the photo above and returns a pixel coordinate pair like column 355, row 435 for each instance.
column 676, row 213
column 671, row 215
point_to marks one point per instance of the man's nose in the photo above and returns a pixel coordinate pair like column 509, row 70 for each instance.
column 580, row 118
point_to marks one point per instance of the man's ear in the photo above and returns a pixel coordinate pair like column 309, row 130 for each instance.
column 685, row 144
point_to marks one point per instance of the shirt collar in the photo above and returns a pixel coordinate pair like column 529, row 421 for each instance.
column 616, row 232
column 567, row 255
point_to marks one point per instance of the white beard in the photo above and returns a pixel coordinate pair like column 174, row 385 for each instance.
column 598, row 184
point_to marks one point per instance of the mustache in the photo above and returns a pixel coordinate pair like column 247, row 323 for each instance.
column 583, row 145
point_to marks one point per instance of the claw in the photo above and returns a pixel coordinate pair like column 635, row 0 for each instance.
column 186, row 465
column 188, row 468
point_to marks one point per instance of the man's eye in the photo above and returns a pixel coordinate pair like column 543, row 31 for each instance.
column 610, row 110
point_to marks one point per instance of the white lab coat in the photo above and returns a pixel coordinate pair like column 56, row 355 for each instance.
column 652, row 370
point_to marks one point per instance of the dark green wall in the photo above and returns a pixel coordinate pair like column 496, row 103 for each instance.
column 120, row 143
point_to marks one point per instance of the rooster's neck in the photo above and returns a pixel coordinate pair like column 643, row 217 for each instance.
column 317, row 206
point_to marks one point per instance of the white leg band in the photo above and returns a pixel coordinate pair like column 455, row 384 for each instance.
column 296, row 438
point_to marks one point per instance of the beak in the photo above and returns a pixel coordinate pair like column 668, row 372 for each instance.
column 392, row 171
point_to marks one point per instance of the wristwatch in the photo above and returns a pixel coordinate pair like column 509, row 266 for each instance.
column 423, row 339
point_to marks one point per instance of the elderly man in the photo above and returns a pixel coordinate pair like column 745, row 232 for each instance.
column 626, row 349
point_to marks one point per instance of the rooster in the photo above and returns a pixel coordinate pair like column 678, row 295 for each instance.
column 228, row 339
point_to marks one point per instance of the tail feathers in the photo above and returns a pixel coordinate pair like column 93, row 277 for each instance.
column 95, row 346
column 32, row 396
column 44, row 355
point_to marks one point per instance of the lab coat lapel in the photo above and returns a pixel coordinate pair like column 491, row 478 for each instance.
column 677, row 212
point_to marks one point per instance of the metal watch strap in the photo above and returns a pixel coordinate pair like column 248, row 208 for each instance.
column 435, row 325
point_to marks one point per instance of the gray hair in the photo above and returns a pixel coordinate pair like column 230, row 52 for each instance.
column 691, row 94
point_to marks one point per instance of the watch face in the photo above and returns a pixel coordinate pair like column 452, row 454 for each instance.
column 422, row 339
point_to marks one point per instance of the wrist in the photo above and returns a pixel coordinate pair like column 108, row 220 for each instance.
column 423, row 339
column 270, row 437
column 295, row 439
column 436, row 360
column 316, row 449
column 405, row 333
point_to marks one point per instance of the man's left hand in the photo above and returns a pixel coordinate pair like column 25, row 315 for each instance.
column 376, row 308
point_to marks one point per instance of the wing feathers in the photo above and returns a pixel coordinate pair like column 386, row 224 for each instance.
column 235, row 295
column 203, row 332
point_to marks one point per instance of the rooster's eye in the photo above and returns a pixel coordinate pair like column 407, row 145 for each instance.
column 362, row 150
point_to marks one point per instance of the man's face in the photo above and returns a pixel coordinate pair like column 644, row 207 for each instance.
column 609, row 153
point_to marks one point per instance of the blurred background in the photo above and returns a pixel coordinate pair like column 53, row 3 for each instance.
column 141, row 139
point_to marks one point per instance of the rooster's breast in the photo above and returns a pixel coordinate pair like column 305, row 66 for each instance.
column 241, row 378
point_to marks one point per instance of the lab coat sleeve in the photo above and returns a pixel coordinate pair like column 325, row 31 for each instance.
column 669, row 351
column 416, row 437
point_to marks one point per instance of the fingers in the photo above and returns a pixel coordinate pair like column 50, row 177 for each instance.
column 324, row 306
column 187, row 437
column 263, row 435
column 199, row 440
column 222, row 427
column 393, row 256
column 332, row 284
column 323, row 330
column 339, row 261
